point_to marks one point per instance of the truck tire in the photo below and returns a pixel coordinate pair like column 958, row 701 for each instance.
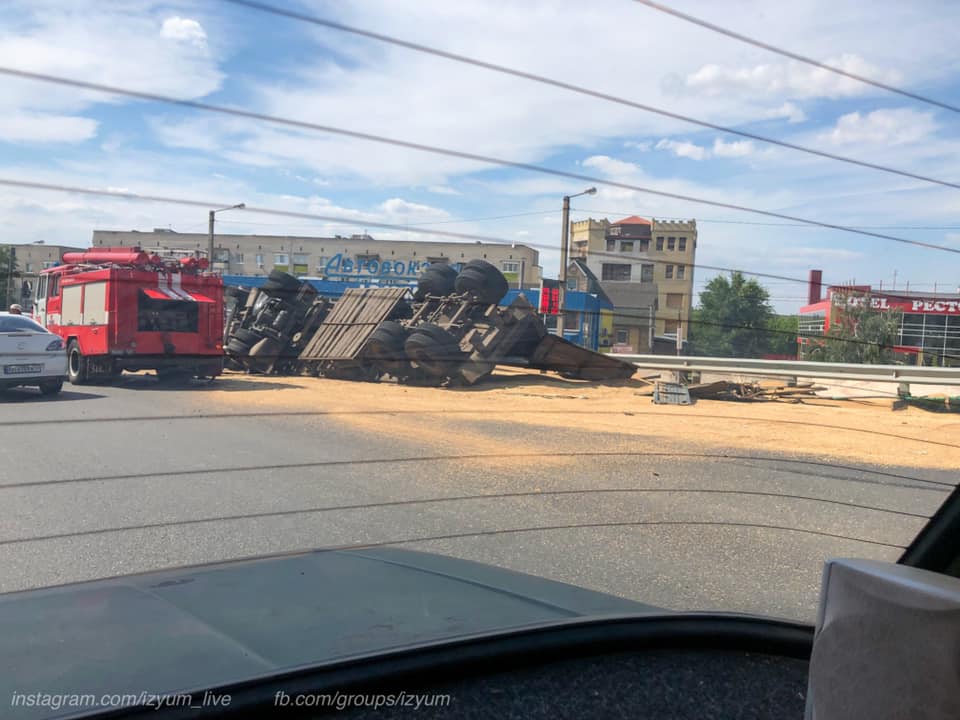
column 279, row 280
column 434, row 350
column 438, row 280
column 77, row 372
column 247, row 337
column 236, row 347
column 51, row 387
column 483, row 281
column 384, row 348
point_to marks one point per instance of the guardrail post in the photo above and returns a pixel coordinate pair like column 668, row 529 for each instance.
column 903, row 390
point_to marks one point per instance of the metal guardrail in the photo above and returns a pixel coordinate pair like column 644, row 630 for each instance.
column 909, row 374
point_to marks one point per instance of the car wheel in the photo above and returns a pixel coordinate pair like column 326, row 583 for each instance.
column 434, row 350
column 436, row 280
column 77, row 372
column 483, row 281
column 51, row 387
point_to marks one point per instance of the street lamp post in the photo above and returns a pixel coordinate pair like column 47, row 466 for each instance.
column 564, row 249
column 239, row 206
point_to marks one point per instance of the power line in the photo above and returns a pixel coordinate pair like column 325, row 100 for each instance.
column 487, row 159
column 293, row 15
column 767, row 224
column 793, row 55
column 367, row 223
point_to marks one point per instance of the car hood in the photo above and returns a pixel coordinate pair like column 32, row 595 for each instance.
column 180, row 630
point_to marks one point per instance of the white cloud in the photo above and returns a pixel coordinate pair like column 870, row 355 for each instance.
column 185, row 30
column 443, row 190
column 610, row 166
column 792, row 112
column 33, row 127
column 683, row 148
column 792, row 79
column 882, row 127
column 641, row 146
column 399, row 206
column 737, row 148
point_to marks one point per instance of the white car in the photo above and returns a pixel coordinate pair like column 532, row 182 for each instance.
column 30, row 355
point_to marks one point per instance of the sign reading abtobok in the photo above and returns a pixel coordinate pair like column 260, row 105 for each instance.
column 340, row 266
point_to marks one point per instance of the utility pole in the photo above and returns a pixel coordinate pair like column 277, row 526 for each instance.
column 564, row 250
column 239, row 206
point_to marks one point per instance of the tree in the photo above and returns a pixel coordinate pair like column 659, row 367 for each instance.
column 782, row 338
column 9, row 288
column 732, row 319
column 859, row 333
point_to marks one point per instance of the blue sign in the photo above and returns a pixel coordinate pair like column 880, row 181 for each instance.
column 339, row 266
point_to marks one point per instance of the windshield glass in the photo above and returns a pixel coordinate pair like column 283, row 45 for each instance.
column 606, row 298
column 16, row 323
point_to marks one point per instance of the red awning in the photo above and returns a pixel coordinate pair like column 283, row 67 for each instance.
column 156, row 294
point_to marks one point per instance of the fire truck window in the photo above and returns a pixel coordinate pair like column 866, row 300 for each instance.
column 54, row 287
column 166, row 315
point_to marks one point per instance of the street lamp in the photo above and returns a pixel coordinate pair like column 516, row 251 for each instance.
column 564, row 242
column 239, row 206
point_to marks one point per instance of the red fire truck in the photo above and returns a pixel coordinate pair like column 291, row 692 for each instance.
column 124, row 309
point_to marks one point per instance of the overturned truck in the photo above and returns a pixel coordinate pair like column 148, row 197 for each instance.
column 450, row 330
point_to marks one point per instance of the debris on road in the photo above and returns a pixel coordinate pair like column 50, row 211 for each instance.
column 450, row 331
column 741, row 391
column 667, row 393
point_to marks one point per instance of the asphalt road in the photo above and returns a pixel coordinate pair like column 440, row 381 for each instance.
column 113, row 480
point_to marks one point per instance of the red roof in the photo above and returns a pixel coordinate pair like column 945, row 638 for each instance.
column 633, row 220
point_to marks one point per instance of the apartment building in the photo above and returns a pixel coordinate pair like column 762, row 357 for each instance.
column 357, row 257
column 646, row 268
column 29, row 260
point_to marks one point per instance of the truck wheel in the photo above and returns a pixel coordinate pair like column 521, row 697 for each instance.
column 434, row 349
column 483, row 281
column 51, row 387
column 237, row 348
column 247, row 337
column 436, row 280
column 279, row 280
column 385, row 350
column 77, row 372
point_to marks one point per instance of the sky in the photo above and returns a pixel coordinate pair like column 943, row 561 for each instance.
column 224, row 54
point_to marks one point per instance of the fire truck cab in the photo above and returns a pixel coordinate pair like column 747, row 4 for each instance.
column 123, row 309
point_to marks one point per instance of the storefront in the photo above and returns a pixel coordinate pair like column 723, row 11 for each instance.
column 928, row 331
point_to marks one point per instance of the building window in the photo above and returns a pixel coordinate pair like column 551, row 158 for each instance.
column 675, row 301
column 615, row 230
column 221, row 255
column 510, row 266
column 668, row 272
column 660, row 243
column 281, row 259
column 259, row 260
column 623, row 337
column 671, row 243
column 29, row 267
column 611, row 245
column 645, row 245
column 613, row 271
column 681, row 272
column 682, row 246
column 49, row 264
column 626, row 246
column 238, row 258
column 646, row 273
column 671, row 326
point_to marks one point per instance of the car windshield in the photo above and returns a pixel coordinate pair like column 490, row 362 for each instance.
column 18, row 323
column 586, row 292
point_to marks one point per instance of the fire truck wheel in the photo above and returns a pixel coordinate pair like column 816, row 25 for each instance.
column 51, row 388
column 77, row 372
column 482, row 280
column 436, row 280
column 434, row 349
